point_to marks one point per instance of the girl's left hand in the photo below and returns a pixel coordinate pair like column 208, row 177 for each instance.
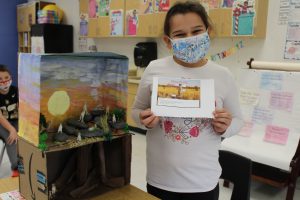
column 222, row 120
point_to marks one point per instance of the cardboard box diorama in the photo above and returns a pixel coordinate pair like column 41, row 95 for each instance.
column 80, row 95
column 72, row 118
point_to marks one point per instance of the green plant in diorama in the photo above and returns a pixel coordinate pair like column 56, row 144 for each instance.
column 126, row 128
column 105, row 126
column 43, row 133
column 119, row 113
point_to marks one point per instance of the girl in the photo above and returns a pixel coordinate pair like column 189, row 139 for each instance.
column 9, row 117
column 182, row 153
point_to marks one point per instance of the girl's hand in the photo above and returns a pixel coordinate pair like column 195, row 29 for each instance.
column 222, row 120
column 148, row 119
column 13, row 137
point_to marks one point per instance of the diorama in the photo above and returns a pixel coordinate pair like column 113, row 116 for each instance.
column 75, row 141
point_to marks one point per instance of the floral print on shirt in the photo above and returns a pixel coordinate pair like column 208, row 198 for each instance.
column 184, row 130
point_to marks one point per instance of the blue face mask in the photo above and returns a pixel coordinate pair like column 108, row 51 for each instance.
column 191, row 49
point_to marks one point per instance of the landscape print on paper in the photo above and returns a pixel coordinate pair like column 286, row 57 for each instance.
column 183, row 93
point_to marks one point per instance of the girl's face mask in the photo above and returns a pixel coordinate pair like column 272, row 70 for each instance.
column 191, row 49
column 4, row 85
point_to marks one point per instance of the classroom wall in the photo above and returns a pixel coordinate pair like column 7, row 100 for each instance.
column 9, row 36
column 269, row 49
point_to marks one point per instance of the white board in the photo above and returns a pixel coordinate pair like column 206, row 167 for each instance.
column 270, row 102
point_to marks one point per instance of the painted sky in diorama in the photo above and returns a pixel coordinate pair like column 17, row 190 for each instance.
column 71, row 97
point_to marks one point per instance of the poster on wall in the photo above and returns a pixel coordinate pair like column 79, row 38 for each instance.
column 292, row 45
column 116, row 22
column 210, row 3
column 82, row 44
column 103, row 8
column 146, row 7
column 93, row 8
column 243, row 14
column 83, row 26
column 226, row 3
column 161, row 5
column 284, row 9
column 131, row 22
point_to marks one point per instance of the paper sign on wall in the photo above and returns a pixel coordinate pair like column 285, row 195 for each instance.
column 277, row 135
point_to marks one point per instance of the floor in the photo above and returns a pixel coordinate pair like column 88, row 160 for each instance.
column 259, row 191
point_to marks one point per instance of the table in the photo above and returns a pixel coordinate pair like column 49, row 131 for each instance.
column 128, row 192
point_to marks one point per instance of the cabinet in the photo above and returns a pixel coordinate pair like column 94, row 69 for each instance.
column 222, row 19
column 27, row 16
column 141, row 20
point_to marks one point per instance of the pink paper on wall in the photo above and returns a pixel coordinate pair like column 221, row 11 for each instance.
column 132, row 22
column 92, row 8
column 247, row 129
column 282, row 101
column 276, row 134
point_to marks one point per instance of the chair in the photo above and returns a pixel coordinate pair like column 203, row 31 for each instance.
column 2, row 150
column 236, row 169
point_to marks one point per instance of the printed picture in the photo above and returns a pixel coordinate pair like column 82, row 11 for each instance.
column 179, row 93
column 179, row 97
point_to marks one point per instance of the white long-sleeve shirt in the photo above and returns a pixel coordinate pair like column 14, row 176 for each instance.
column 182, row 153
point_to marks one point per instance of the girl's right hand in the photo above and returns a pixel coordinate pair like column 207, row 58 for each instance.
column 148, row 119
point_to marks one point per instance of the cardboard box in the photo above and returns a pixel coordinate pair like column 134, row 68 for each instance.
column 74, row 173
column 54, row 88
column 81, row 98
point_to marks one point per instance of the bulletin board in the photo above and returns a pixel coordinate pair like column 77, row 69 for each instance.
column 270, row 103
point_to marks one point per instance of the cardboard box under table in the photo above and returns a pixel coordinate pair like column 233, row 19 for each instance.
column 72, row 123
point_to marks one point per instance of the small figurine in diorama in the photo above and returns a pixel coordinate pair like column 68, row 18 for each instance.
column 97, row 123
column 60, row 136
column 245, row 7
column 79, row 137
column 117, row 120
column 52, row 191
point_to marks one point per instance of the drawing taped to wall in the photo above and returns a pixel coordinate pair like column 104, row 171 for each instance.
column 131, row 22
column 243, row 17
column 116, row 22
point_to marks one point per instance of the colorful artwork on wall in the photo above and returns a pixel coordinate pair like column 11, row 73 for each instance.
column 243, row 13
column 161, row 5
column 116, row 22
column 146, row 6
column 83, row 24
column 58, row 87
column 131, row 22
column 103, row 7
column 93, row 8
column 227, row 3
